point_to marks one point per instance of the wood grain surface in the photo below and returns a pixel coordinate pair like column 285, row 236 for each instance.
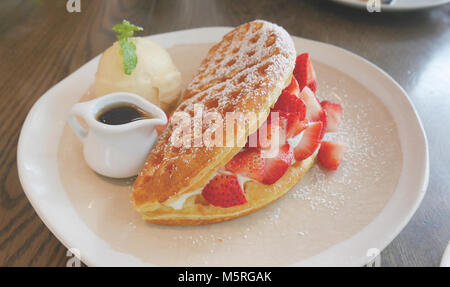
column 41, row 43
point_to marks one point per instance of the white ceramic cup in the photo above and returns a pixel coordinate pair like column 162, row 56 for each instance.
column 117, row 151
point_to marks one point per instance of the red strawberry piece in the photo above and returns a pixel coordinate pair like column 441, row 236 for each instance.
column 334, row 114
column 263, row 136
column 253, row 140
column 224, row 190
column 313, row 108
column 248, row 163
column 330, row 154
column 314, row 111
column 276, row 167
column 304, row 72
column 292, row 89
column 290, row 103
column 272, row 129
column 292, row 124
column 324, row 120
column 309, row 142
column 295, row 128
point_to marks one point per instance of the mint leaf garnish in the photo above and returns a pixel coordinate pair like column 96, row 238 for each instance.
column 129, row 56
column 125, row 30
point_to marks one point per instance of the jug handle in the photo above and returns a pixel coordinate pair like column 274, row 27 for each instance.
column 77, row 128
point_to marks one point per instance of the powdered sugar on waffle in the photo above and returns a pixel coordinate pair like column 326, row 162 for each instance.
column 255, row 58
column 242, row 52
column 236, row 76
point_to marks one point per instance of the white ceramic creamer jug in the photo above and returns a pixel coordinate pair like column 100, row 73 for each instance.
column 119, row 150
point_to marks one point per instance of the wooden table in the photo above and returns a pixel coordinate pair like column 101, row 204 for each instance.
column 41, row 43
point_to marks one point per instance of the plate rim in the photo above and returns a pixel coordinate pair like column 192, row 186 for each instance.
column 391, row 8
column 314, row 259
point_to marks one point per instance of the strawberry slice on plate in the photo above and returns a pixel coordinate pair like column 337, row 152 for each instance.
column 276, row 167
column 304, row 72
column 224, row 190
column 309, row 142
column 331, row 154
column 334, row 115
column 248, row 163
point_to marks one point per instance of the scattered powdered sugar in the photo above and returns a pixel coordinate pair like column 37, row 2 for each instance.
column 272, row 216
column 211, row 239
column 317, row 192
column 364, row 152
column 321, row 190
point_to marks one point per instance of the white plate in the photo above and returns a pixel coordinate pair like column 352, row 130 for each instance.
column 40, row 176
column 445, row 261
column 397, row 5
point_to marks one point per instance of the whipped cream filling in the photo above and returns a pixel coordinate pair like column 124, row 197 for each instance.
column 178, row 204
column 242, row 180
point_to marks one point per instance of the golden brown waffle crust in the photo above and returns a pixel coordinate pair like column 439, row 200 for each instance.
column 258, row 196
column 246, row 73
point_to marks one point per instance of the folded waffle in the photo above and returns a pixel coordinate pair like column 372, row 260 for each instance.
column 245, row 72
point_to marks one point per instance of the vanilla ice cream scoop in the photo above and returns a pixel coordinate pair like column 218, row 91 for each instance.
column 155, row 77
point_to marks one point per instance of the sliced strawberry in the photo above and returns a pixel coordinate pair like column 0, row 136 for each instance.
column 248, row 163
column 314, row 111
column 334, row 114
column 313, row 108
column 290, row 103
column 272, row 131
column 309, row 142
column 293, row 88
column 276, row 167
column 289, row 125
column 324, row 119
column 263, row 135
column 296, row 128
column 304, row 72
column 292, row 124
column 254, row 140
column 330, row 154
column 224, row 190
